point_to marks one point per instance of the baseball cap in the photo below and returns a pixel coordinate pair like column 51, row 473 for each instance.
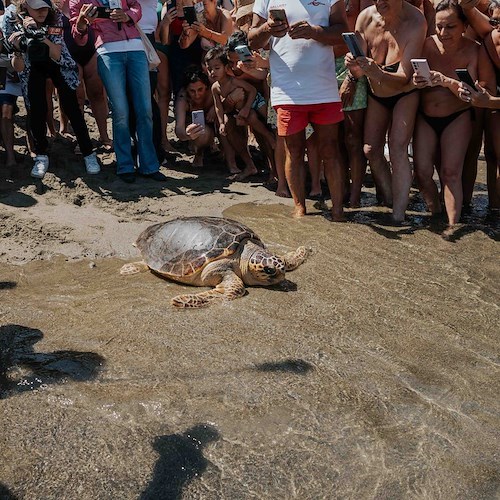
column 39, row 4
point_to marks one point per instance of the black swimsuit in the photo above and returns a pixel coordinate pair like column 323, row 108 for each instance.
column 81, row 54
column 440, row 123
column 389, row 102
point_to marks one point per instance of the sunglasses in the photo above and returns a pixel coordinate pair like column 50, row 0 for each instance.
column 494, row 21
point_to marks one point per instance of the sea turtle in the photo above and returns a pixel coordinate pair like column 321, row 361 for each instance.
column 210, row 251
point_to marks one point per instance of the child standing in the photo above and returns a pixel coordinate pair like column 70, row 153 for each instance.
column 245, row 110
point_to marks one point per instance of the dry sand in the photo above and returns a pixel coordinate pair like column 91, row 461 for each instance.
column 372, row 373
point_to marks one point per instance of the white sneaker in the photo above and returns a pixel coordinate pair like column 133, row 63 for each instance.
column 92, row 164
column 40, row 167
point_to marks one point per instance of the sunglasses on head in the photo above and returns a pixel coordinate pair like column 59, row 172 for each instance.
column 494, row 21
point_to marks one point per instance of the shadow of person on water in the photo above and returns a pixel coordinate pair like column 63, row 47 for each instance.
column 5, row 493
column 181, row 459
column 297, row 366
column 17, row 352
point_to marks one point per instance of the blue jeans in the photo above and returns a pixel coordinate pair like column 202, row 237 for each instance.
column 117, row 70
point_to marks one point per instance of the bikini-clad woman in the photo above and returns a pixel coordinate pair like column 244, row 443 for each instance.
column 444, row 126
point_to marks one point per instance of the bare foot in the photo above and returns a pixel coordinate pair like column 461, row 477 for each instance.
column 198, row 160
column 338, row 216
column 354, row 203
column 233, row 169
column 449, row 234
column 298, row 212
column 283, row 193
column 247, row 172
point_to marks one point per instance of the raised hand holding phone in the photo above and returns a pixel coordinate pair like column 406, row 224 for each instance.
column 421, row 69
column 351, row 41
column 464, row 76
column 278, row 23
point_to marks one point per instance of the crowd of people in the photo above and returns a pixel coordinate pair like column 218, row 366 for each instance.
column 278, row 73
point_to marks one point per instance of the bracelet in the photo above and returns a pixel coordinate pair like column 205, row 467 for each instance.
column 351, row 78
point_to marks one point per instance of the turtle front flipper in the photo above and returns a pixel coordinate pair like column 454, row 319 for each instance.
column 134, row 268
column 294, row 259
column 231, row 287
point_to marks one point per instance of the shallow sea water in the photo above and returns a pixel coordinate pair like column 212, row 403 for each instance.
column 372, row 373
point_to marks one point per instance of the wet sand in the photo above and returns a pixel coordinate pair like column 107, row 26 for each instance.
column 372, row 373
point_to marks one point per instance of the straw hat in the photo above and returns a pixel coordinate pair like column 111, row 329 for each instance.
column 243, row 8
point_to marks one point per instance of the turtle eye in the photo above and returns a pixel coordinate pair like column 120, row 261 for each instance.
column 269, row 270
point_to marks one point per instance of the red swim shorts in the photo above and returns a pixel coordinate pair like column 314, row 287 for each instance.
column 293, row 118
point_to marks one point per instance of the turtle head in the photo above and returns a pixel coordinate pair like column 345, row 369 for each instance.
column 264, row 268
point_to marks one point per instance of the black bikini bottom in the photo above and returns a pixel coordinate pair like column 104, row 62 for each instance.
column 440, row 123
column 389, row 102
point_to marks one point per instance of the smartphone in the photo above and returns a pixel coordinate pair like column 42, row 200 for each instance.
column 464, row 76
column 189, row 14
column 199, row 10
column 243, row 53
column 3, row 78
column 421, row 68
column 351, row 41
column 198, row 117
column 278, row 15
column 103, row 12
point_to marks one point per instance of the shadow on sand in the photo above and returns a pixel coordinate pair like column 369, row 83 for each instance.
column 17, row 352
column 181, row 459
column 6, row 494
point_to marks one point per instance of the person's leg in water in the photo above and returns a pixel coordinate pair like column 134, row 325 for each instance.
column 469, row 172
column 452, row 160
column 377, row 121
column 353, row 135
column 400, row 134
column 492, row 154
column 329, row 151
column 425, row 142
column 315, row 164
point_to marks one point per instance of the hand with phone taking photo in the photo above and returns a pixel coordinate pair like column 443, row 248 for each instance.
column 302, row 29
column 277, row 23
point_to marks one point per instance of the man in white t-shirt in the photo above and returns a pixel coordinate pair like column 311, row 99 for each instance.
column 303, row 85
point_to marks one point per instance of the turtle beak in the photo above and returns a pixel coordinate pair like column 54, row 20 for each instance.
column 274, row 268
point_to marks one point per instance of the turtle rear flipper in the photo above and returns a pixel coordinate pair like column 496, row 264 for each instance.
column 295, row 259
column 133, row 268
column 231, row 287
